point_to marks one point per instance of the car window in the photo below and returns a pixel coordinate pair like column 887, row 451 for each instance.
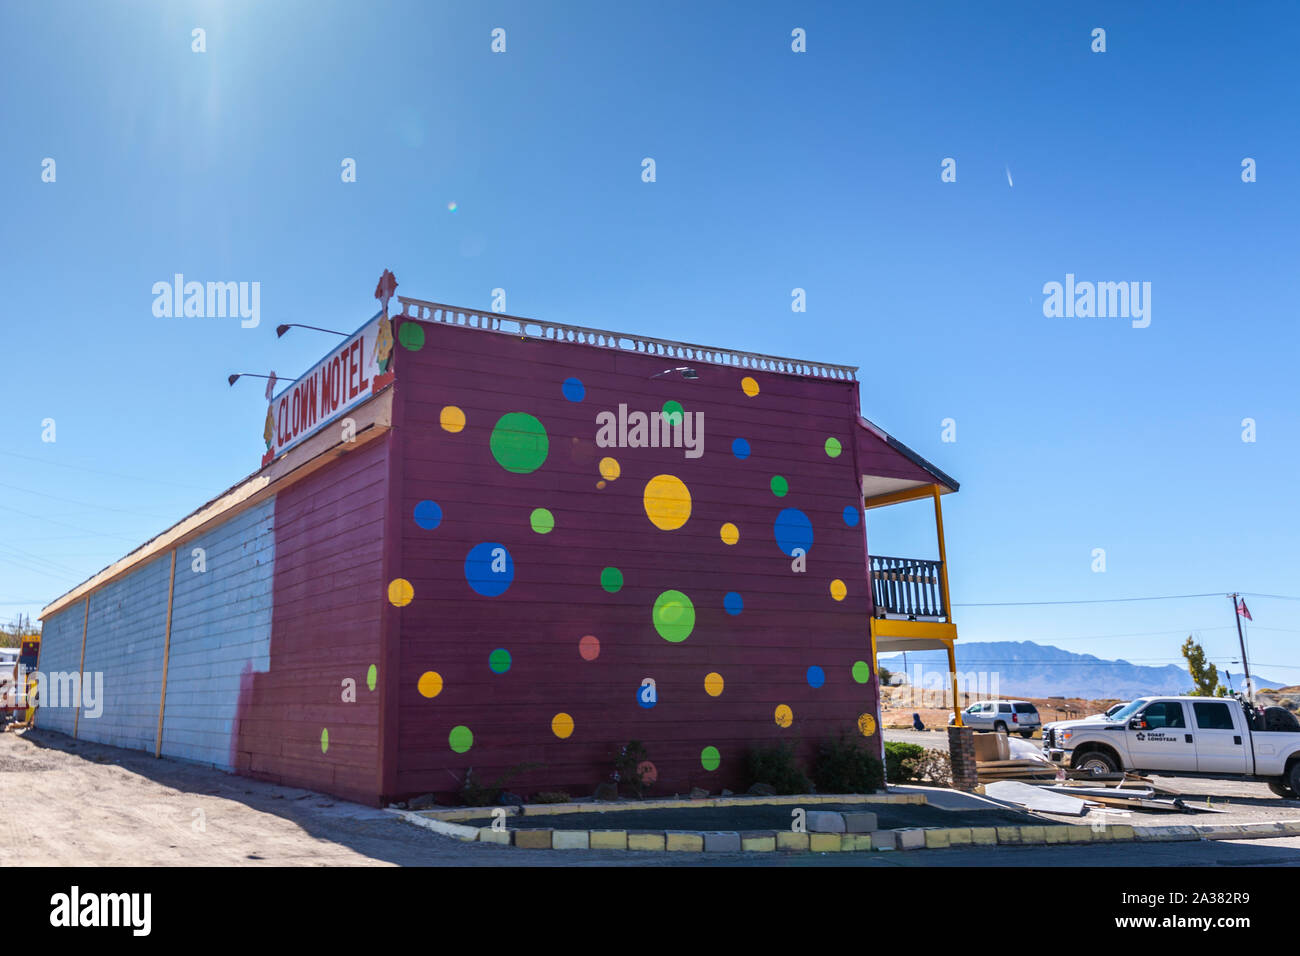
column 1164, row 714
column 1212, row 715
column 1004, row 708
column 1026, row 709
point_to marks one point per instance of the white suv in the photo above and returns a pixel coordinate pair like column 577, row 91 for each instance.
column 1009, row 716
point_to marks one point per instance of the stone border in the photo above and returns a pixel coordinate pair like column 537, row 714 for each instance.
column 548, row 809
column 910, row 838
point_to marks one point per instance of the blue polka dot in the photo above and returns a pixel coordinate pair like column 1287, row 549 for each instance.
column 740, row 448
column 489, row 569
column 793, row 530
column 647, row 697
column 851, row 516
column 816, row 676
column 428, row 515
column 733, row 602
column 574, row 390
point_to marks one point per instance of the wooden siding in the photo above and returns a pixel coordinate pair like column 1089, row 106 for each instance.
column 328, row 588
column 124, row 642
column 789, row 622
column 60, row 652
column 221, row 634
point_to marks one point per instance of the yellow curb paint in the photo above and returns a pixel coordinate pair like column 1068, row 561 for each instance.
column 1119, row 831
column 609, row 839
column 791, row 841
column 959, row 836
column 533, row 839
column 488, row 835
column 1056, row 834
column 855, row 841
column 1033, row 834
column 984, row 836
column 758, row 843
column 1080, row 834
column 685, row 842
column 646, row 841
column 936, row 839
column 824, row 842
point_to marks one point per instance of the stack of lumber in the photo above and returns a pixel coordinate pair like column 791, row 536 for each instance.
column 993, row 761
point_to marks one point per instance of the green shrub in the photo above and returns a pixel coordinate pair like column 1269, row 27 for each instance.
column 845, row 766
column 895, row 754
column 778, row 767
column 627, row 768
column 551, row 796
column 474, row 793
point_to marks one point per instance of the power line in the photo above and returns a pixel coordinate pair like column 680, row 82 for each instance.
column 1160, row 597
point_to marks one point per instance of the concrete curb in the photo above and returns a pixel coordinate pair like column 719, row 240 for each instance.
column 538, row 809
column 906, row 839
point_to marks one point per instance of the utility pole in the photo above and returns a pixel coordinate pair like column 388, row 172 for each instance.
column 1236, row 613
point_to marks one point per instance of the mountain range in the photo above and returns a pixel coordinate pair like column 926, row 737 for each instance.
column 1040, row 670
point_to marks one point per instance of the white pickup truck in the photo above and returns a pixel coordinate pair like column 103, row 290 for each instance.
column 1186, row 737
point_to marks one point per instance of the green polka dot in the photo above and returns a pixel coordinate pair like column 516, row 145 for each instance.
column 499, row 661
column 779, row 486
column 861, row 671
column 543, row 521
column 710, row 758
column 833, row 447
column 519, row 443
column 673, row 412
column 674, row 616
column 324, row 740
column 411, row 335
column 460, row 739
column 372, row 676
column 611, row 579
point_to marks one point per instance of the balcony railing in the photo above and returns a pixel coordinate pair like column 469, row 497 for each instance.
column 907, row 587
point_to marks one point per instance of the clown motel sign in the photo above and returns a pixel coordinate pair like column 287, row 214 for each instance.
column 343, row 379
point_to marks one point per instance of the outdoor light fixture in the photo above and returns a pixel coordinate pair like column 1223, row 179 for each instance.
column 686, row 373
column 231, row 379
column 281, row 329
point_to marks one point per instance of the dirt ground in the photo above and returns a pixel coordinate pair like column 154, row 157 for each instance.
column 72, row 803
column 898, row 704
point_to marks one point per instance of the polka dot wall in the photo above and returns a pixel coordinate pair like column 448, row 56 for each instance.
column 559, row 594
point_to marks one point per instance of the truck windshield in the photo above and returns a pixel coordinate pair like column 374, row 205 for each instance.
column 1127, row 711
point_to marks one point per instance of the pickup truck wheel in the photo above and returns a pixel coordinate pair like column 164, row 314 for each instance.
column 1282, row 790
column 1095, row 761
column 999, row 728
column 1026, row 734
column 1293, row 777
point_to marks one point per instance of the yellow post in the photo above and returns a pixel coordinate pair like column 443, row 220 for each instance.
column 943, row 554
column 85, row 624
column 167, row 650
column 947, row 605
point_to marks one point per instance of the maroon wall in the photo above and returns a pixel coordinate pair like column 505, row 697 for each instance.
column 790, row 621
column 325, row 627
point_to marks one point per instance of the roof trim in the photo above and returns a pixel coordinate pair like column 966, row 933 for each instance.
column 940, row 477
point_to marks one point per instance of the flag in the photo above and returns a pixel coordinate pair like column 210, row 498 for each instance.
column 1243, row 610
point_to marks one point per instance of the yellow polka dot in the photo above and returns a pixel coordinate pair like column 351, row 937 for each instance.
column 784, row 716
column 667, row 502
column 452, row 418
column 561, row 725
column 430, row 684
column 730, row 533
column 400, row 592
column 609, row 469
column 713, row 685
column 838, row 590
column 749, row 386
column 866, row 725
column 600, row 484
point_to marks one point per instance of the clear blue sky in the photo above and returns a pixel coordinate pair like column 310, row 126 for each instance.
column 775, row 170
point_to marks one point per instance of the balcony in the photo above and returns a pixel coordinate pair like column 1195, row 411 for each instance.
column 907, row 589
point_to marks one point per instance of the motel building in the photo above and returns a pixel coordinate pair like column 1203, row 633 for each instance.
column 514, row 545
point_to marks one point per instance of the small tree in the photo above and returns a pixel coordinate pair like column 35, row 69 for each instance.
column 885, row 675
column 1204, row 675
